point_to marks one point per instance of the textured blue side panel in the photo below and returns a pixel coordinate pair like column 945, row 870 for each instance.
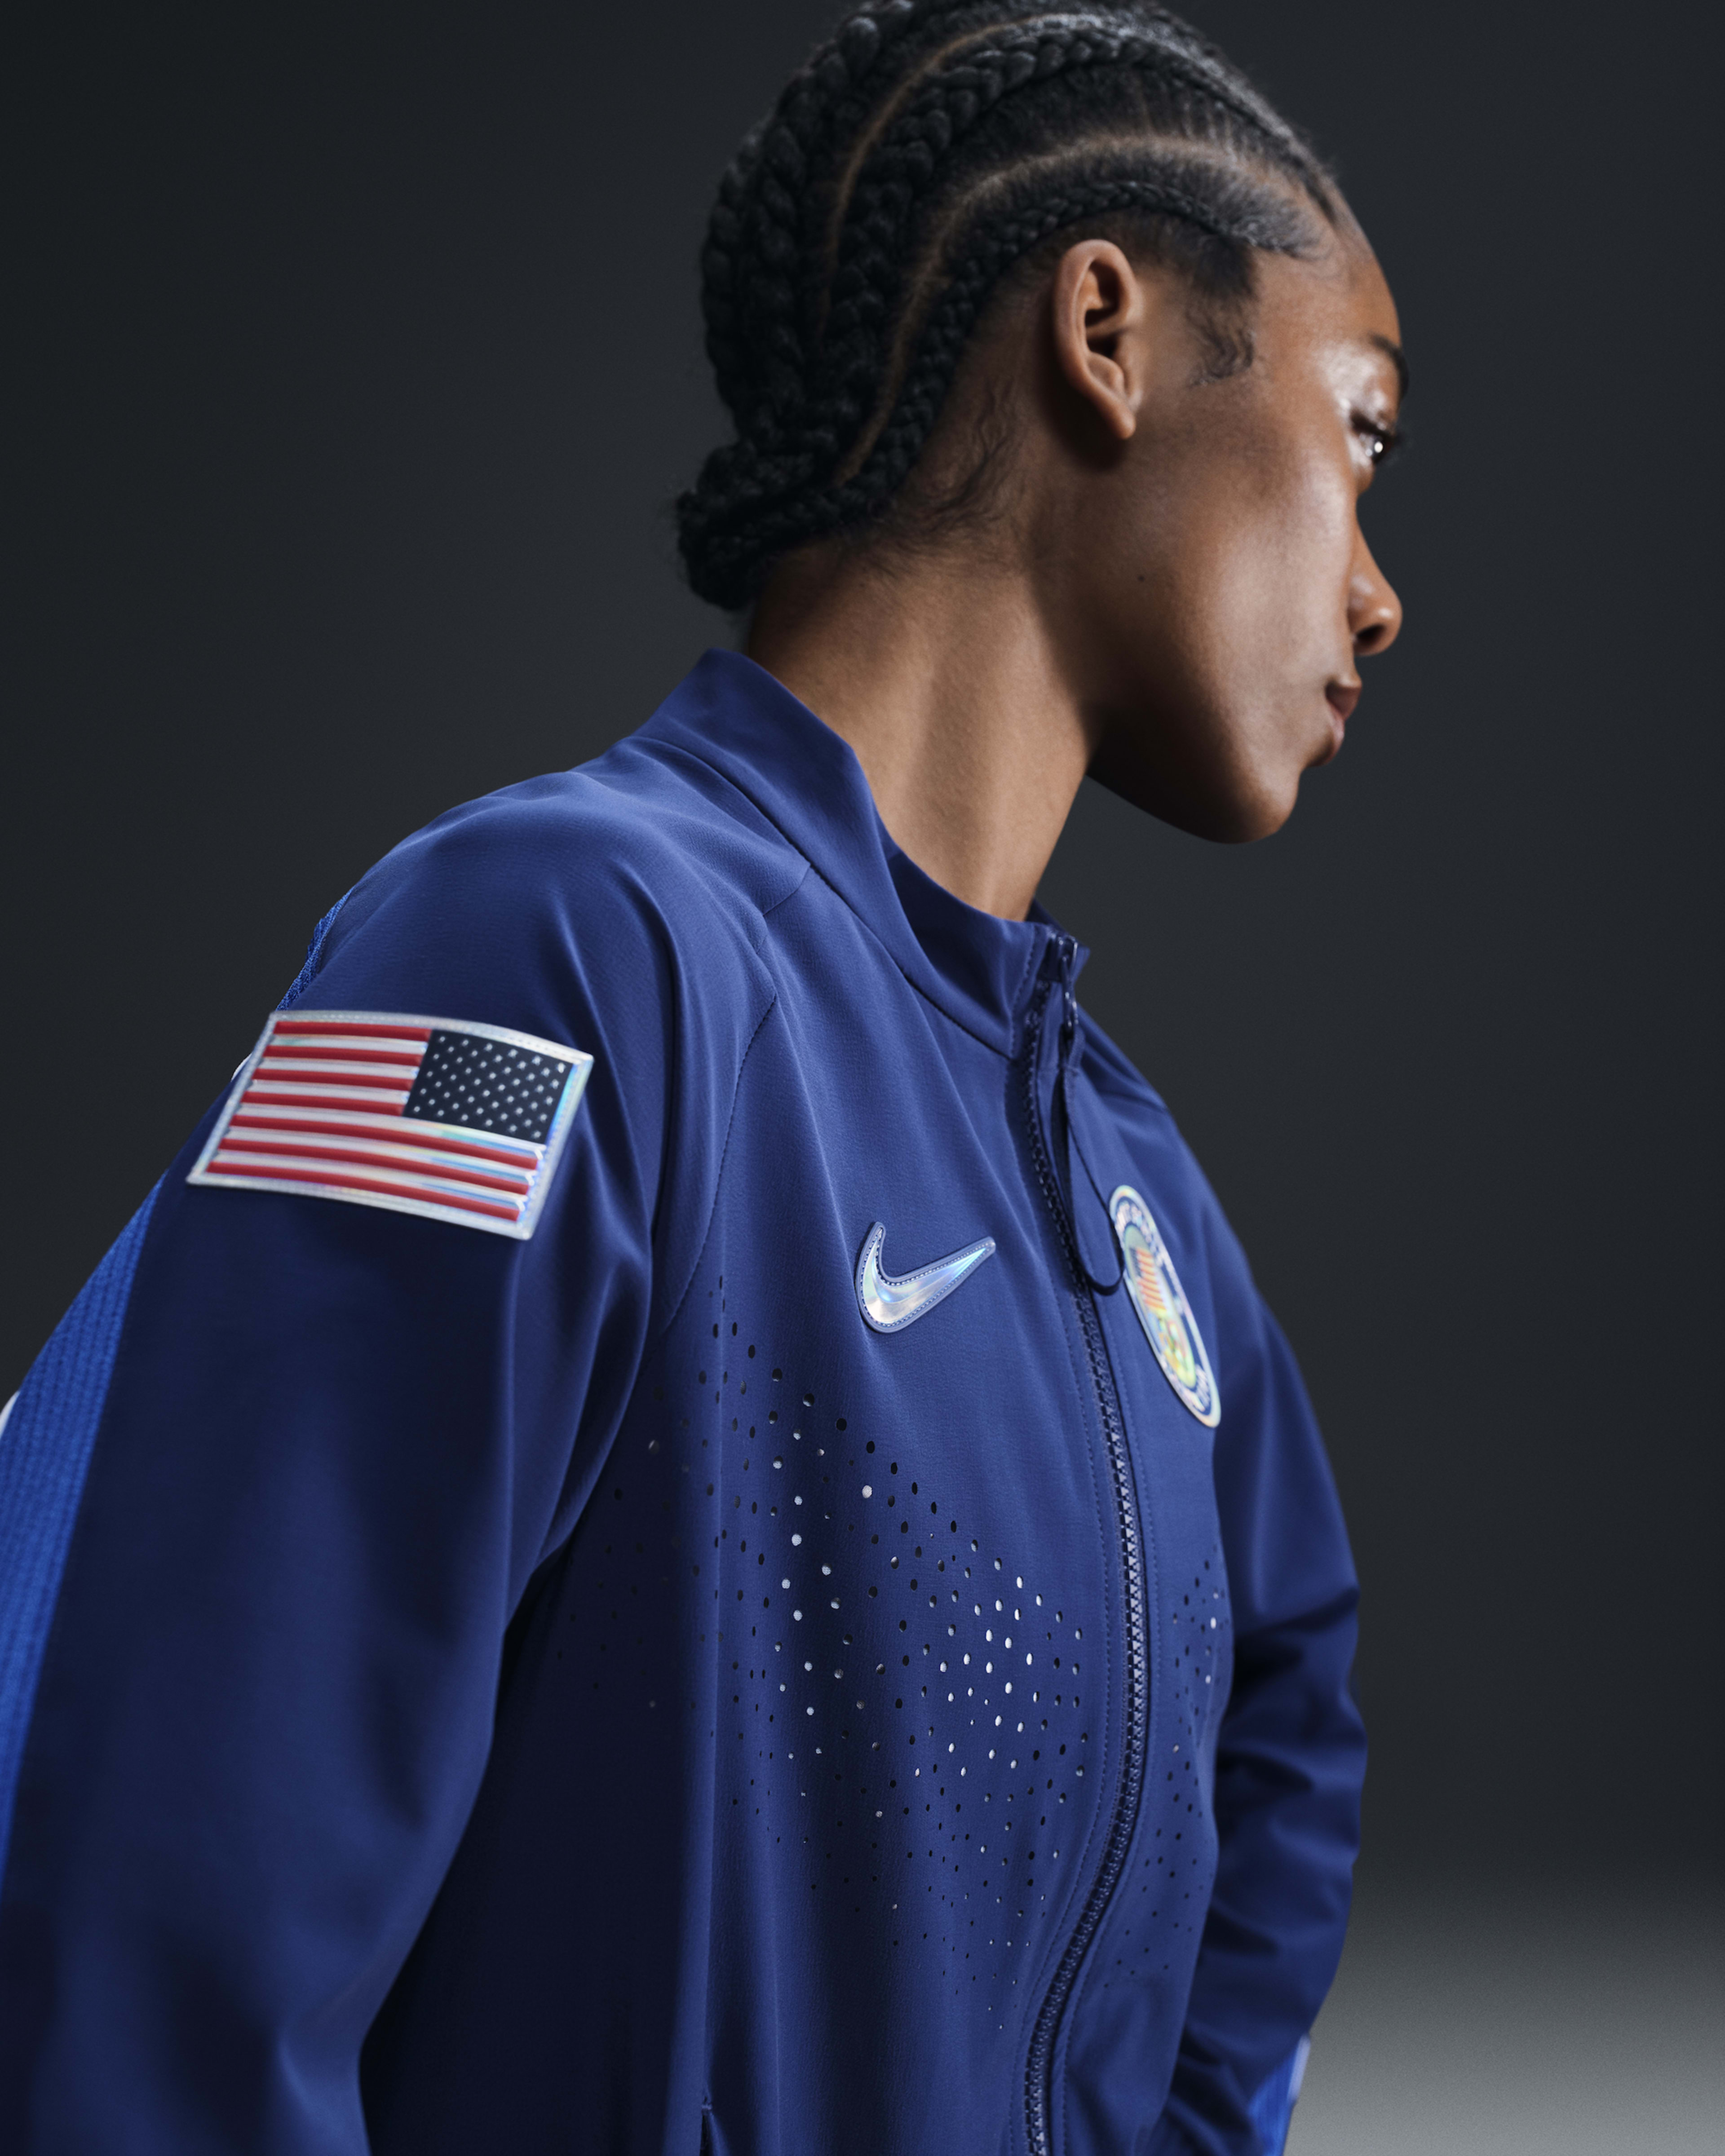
column 314, row 956
column 1273, row 2106
column 45, row 1445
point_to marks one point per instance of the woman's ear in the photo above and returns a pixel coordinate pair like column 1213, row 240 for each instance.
column 1100, row 311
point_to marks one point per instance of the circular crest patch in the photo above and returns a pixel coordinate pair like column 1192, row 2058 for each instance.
column 1162, row 1309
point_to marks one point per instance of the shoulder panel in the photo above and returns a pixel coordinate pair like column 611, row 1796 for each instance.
column 46, row 1437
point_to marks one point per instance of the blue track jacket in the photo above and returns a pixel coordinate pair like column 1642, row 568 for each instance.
column 732, row 1664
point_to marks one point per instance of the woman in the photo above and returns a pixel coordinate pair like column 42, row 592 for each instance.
column 680, row 1526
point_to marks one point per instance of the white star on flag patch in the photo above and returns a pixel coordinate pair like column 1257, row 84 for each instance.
column 439, row 1116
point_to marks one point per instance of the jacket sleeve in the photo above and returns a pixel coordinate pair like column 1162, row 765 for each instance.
column 1290, row 1756
column 277, row 1482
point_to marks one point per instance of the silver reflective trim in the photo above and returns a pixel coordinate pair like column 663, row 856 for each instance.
column 890, row 1301
column 6, row 1412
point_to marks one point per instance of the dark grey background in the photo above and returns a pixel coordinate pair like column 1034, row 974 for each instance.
column 356, row 362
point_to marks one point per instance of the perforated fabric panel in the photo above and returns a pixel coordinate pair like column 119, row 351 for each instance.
column 45, row 1443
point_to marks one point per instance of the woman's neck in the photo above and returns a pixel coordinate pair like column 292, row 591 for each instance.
column 945, row 684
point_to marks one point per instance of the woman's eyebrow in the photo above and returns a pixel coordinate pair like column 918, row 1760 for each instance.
column 1393, row 351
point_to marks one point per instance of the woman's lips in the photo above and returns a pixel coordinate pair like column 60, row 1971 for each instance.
column 1342, row 696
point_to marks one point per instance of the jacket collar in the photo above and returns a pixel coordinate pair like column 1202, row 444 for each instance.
column 980, row 970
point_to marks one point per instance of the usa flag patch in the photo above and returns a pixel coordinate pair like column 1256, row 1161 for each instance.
column 439, row 1116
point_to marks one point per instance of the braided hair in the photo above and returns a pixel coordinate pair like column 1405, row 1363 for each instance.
column 929, row 150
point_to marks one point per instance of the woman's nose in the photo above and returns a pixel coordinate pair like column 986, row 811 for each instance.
column 1375, row 613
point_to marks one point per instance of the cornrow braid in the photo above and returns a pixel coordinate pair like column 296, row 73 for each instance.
column 924, row 151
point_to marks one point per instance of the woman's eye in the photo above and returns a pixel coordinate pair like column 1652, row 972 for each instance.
column 1381, row 441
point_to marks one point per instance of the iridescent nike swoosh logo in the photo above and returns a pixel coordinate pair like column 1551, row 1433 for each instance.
column 890, row 1301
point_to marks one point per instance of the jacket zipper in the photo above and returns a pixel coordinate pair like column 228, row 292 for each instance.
column 1038, row 2071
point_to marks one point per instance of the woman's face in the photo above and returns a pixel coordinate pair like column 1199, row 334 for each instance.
column 1212, row 590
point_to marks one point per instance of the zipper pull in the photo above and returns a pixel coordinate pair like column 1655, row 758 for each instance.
column 1066, row 952
column 1098, row 1252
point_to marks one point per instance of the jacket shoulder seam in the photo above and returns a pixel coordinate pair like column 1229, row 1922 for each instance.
column 660, row 1332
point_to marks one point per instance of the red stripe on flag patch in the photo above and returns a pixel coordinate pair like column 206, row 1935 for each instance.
column 458, row 1171
column 396, row 1133
column 388, row 1081
column 266, row 1096
column 298, row 1048
column 287, row 1027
